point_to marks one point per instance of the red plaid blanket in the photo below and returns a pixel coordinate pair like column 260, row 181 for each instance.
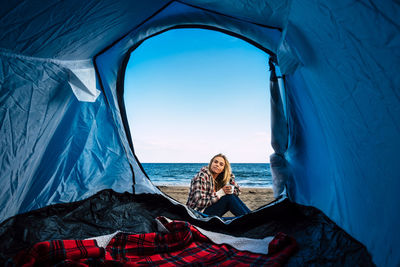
column 182, row 245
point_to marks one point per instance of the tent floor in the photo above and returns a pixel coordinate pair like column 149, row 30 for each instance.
column 321, row 242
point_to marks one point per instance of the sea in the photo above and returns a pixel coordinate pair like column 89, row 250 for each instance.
column 180, row 174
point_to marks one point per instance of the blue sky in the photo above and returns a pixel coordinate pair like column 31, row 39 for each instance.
column 192, row 93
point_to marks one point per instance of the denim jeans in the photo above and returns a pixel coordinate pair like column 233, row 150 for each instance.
column 227, row 203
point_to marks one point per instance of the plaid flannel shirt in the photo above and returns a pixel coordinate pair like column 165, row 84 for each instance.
column 181, row 245
column 202, row 194
column 50, row 253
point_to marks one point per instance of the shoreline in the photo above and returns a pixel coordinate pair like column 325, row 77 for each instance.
column 253, row 197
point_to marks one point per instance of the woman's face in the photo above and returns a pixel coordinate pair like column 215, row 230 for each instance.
column 217, row 165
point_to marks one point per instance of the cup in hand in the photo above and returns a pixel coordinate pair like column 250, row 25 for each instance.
column 229, row 189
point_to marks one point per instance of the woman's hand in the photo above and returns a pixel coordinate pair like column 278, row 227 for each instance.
column 228, row 189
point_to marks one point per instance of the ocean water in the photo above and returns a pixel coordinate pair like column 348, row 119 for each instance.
column 247, row 174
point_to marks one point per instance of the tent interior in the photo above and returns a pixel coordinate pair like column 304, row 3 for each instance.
column 68, row 166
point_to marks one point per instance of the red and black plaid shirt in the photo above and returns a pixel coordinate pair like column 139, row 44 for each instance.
column 202, row 194
column 182, row 245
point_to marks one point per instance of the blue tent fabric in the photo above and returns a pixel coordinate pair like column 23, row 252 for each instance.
column 280, row 170
column 62, row 132
column 44, row 158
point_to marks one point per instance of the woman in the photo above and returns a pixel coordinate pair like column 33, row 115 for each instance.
column 214, row 190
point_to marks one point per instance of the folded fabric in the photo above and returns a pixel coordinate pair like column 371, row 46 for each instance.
column 259, row 246
column 179, row 244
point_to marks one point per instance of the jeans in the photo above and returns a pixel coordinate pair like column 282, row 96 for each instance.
column 227, row 203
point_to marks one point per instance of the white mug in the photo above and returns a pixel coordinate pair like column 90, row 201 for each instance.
column 232, row 187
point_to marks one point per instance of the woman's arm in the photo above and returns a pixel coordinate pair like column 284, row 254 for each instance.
column 236, row 189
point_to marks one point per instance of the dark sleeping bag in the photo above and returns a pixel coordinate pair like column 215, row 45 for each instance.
column 320, row 242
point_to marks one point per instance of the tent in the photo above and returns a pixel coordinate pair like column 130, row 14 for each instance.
column 65, row 136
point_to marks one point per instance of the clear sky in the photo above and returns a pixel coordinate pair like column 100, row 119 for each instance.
column 192, row 93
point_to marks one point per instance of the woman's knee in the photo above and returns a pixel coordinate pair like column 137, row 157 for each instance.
column 230, row 197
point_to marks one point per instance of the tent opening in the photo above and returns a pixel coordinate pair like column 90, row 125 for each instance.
column 193, row 93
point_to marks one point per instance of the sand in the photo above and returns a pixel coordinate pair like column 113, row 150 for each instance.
column 252, row 197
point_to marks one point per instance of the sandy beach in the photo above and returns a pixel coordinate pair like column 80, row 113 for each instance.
column 252, row 197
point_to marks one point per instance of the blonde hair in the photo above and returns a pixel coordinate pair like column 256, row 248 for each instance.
column 224, row 177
